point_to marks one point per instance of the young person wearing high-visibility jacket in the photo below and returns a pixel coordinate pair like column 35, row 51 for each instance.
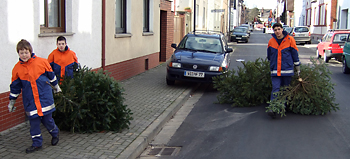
column 32, row 75
column 62, row 59
column 282, row 52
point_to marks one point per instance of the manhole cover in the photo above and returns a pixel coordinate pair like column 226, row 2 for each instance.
column 157, row 151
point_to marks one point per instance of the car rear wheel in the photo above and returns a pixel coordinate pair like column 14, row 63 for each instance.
column 325, row 58
column 346, row 69
column 170, row 82
column 318, row 53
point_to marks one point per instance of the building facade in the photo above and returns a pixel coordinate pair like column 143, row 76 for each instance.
column 41, row 22
column 123, row 37
column 343, row 14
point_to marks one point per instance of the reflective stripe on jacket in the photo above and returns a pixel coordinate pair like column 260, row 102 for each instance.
column 33, row 78
column 282, row 57
column 62, row 63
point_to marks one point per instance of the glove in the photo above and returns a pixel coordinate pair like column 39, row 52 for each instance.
column 11, row 106
column 57, row 89
column 298, row 69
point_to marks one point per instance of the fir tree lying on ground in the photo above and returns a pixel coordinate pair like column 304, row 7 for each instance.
column 312, row 93
column 91, row 102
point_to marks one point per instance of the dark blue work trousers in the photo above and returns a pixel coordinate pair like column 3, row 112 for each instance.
column 35, row 131
column 277, row 82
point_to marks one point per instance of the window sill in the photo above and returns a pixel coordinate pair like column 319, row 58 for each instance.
column 147, row 33
column 55, row 34
column 123, row 35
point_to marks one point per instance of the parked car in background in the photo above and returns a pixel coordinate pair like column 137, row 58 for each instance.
column 301, row 34
column 289, row 30
column 199, row 57
column 285, row 26
column 249, row 27
column 331, row 45
column 346, row 56
column 239, row 34
column 260, row 26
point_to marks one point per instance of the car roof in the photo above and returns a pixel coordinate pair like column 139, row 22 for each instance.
column 339, row 31
column 301, row 27
column 206, row 34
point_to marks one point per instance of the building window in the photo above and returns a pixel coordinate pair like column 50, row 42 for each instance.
column 146, row 10
column 120, row 16
column 52, row 16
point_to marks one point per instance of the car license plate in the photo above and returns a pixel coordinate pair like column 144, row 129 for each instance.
column 301, row 35
column 238, row 38
column 194, row 74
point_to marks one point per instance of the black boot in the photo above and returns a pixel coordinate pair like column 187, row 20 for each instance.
column 55, row 140
column 32, row 149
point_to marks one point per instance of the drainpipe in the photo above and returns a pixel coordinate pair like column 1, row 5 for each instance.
column 103, row 34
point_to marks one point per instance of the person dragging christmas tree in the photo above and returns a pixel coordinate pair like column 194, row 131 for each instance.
column 62, row 59
column 282, row 53
column 31, row 75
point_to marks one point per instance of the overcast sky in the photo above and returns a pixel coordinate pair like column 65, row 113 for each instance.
column 267, row 4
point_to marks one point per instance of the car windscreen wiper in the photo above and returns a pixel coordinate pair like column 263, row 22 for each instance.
column 207, row 51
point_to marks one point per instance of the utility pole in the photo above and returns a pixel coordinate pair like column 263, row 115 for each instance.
column 194, row 17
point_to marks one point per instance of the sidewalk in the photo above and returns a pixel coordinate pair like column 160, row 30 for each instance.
column 152, row 102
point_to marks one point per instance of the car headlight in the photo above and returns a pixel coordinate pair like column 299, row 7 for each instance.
column 245, row 36
column 214, row 68
column 175, row 64
column 233, row 35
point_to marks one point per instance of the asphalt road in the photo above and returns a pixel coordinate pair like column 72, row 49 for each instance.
column 219, row 131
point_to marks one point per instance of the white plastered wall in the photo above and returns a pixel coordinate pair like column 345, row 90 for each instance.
column 20, row 20
column 136, row 44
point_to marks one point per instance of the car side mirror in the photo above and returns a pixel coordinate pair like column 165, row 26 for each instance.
column 228, row 50
column 173, row 45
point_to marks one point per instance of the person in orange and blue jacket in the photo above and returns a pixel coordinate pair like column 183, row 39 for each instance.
column 34, row 77
column 282, row 52
column 63, row 60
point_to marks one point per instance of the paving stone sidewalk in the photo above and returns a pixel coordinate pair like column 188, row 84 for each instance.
column 149, row 98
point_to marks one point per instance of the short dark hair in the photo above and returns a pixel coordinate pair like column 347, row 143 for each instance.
column 61, row 38
column 24, row 44
column 277, row 25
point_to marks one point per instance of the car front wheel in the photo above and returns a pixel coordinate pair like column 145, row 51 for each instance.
column 346, row 69
column 170, row 82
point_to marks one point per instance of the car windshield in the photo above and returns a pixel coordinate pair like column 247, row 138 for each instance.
column 340, row 37
column 288, row 29
column 239, row 30
column 301, row 29
column 202, row 44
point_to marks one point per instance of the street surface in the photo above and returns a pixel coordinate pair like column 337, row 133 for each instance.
column 219, row 131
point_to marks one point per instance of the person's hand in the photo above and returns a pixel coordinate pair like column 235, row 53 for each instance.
column 298, row 70
column 57, row 89
column 11, row 106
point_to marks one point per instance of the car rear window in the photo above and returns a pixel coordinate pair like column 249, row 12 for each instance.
column 340, row 37
column 301, row 29
column 239, row 30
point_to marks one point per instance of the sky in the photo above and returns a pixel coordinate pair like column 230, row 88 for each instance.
column 267, row 4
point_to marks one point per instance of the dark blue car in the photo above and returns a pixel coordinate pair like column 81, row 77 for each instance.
column 198, row 58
